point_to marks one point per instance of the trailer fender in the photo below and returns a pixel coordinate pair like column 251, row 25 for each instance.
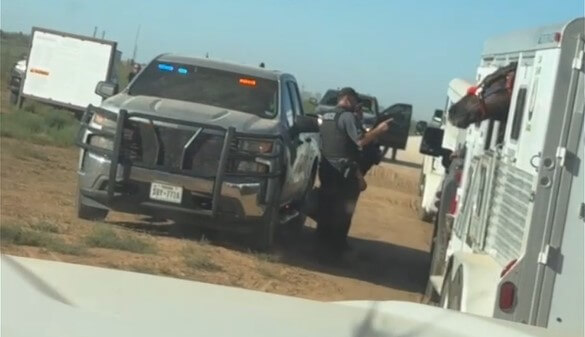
column 480, row 275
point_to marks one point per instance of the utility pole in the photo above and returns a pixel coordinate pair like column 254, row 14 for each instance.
column 207, row 55
column 135, row 45
column 94, row 31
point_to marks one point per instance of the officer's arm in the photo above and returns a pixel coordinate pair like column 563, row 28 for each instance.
column 369, row 137
column 348, row 123
column 373, row 135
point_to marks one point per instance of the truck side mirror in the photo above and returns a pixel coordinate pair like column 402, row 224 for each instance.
column 431, row 143
column 438, row 115
column 106, row 89
column 420, row 127
column 305, row 124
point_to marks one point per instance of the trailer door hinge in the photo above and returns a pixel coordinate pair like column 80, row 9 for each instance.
column 561, row 155
column 551, row 257
column 579, row 60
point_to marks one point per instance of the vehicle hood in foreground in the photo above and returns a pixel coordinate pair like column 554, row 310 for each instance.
column 54, row 299
column 192, row 112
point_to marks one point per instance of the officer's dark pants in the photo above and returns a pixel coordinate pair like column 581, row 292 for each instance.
column 370, row 156
column 337, row 200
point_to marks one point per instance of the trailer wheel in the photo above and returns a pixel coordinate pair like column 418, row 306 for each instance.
column 13, row 98
column 451, row 292
column 90, row 213
column 421, row 184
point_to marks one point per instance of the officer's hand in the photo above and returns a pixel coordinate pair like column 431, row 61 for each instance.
column 384, row 126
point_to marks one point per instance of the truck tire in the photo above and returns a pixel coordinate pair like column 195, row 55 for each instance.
column 425, row 216
column 263, row 239
column 263, row 235
column 298, row 223
column 90, row 213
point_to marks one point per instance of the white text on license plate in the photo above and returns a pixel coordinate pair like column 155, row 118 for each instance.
column 165, row 192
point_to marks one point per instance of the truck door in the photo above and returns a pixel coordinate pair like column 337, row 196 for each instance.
column 397, row 135
column 296, row 144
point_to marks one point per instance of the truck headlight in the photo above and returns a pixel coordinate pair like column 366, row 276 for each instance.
column 101, row 142
column 255, row 146
column 100, row 121
column 250, row 166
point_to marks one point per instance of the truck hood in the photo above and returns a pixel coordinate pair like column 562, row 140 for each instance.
column 54, row 299
column 192, row 112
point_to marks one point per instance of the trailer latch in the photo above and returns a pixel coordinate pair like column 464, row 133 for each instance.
column 551, row 257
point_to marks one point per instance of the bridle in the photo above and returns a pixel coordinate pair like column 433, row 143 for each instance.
column 482, row 93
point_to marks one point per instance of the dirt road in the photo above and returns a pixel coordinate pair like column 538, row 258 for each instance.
column 38, row 186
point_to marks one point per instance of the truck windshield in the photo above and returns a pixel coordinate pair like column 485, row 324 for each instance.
column 208, row 86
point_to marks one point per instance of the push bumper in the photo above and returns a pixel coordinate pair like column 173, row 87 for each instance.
column 107, row 178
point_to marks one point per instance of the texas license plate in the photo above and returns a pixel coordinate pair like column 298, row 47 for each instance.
column 165, row 192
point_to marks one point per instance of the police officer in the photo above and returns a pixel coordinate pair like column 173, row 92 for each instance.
column 371, row 154
column 340, row 152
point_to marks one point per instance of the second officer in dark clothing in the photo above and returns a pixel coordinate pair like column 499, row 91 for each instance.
column 340, row 153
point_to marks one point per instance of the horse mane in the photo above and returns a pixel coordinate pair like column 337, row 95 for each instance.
column 498, row 75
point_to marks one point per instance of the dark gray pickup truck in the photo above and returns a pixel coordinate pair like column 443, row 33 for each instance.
column 203, row 142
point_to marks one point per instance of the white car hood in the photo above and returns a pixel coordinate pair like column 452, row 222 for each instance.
column 45, row 298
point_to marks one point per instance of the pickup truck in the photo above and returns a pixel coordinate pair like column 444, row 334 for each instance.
column 16, row 76
column 196, row 139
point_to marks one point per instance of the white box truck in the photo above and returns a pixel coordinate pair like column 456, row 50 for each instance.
column 516, row 244
column 63, row 69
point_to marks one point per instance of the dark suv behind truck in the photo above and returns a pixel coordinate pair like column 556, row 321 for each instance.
column 200, row 141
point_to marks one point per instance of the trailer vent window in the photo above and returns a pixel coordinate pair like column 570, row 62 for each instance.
column 518, row 113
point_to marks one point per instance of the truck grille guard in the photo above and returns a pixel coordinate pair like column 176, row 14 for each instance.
column 227, row 150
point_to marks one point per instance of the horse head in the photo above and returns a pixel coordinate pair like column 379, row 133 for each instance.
column 489, row 100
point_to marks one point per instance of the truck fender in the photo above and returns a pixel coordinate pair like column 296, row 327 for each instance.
column 480, row 277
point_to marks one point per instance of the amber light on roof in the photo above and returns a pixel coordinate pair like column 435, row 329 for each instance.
column 247, row 81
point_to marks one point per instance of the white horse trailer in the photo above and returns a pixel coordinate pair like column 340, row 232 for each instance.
column 517, row 244
column 433, row 171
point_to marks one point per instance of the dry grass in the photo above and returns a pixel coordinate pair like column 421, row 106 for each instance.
column 104, row 236
column 198, row 258
column 14, row 234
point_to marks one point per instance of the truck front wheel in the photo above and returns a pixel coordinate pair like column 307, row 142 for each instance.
column 263, row 234
column 90, row 213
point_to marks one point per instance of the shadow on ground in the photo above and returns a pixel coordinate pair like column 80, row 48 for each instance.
column 402, row 163
column 377, row 262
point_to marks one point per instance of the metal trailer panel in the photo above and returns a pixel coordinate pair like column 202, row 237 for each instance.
column 523, row 40
column 535, row 272
column 508, row 213
column 569, row 282
column 63, row 69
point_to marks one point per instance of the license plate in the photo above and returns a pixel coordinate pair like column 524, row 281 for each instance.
column 165, row 192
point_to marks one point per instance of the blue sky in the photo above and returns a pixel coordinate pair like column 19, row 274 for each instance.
column 400, row 51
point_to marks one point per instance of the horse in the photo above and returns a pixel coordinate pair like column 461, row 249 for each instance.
column 488, row 100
